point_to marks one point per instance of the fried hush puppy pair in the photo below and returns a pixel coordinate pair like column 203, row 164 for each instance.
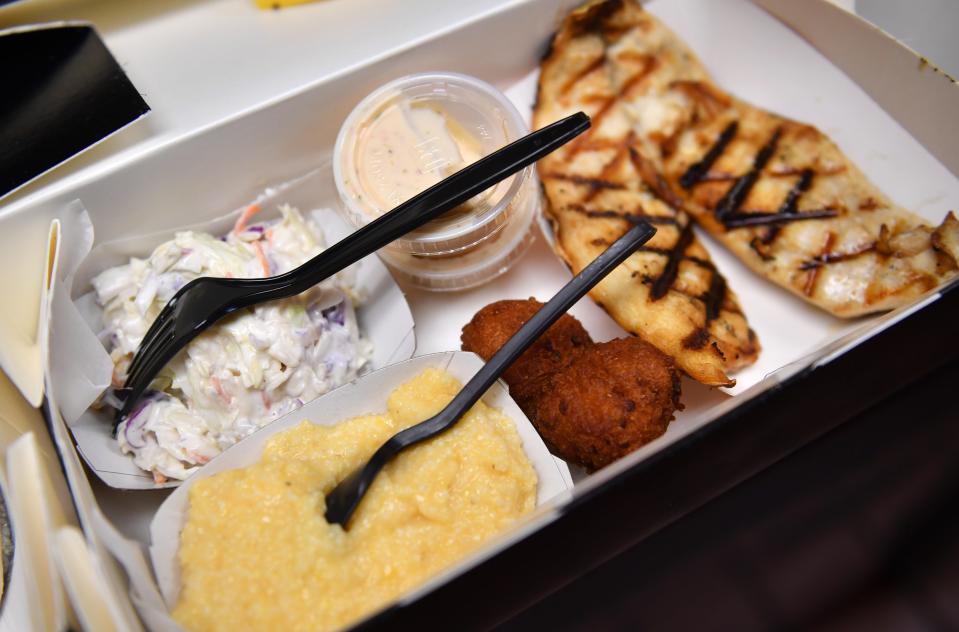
column 591, row 402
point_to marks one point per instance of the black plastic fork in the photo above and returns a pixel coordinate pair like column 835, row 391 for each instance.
column 203, row 301
column 346, row 496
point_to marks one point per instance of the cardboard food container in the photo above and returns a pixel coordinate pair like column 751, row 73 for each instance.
column 382, row 312
column 816, row 64
column 364, row 396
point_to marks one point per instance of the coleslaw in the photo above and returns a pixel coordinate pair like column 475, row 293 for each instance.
column 247, row 370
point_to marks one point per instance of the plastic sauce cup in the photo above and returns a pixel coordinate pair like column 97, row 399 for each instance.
column 413, row 132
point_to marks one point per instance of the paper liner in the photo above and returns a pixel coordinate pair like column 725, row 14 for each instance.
column 364, row 396
column 80, row 369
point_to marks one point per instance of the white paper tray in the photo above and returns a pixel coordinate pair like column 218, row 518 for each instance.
column 748, row 52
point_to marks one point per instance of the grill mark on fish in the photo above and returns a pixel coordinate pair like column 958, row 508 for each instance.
column 702, row 94
column 821, row 261
column 582, row 142
column 737, row 193
column 608, row 169
column 713, row 299
column 790, row 205
column 677, row 280
column 596, row 183
column 654, row 180
column 633, row 217
column 651, row 64
column 671, row 269
column 813, row 275
column 747, row 220
column 696, row 171
column 572, row 81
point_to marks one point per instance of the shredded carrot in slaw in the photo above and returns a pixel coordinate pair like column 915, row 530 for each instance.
column 250, row 211
column 219, row 390
column 264, row 263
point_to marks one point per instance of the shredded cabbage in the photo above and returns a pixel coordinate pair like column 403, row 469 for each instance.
column 250, row 368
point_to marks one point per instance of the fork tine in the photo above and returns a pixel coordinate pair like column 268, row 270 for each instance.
column 155, row 336
column 145, row 354
column 161, row 322
column 154, row 360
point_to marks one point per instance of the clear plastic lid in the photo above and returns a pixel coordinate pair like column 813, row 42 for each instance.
column 411, row 133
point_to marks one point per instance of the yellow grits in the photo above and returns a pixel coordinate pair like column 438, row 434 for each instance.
column 257, row 554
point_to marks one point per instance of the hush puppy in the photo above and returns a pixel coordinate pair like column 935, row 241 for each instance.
column 493, row 325
column 591, row 403
column 608, row 401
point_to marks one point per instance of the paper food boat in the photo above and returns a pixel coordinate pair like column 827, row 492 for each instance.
column 383, row 315
column 366, row 395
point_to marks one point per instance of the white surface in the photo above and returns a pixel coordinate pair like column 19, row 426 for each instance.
column 78, row 569
column 197, row 62
column 927, row 26
column 34, row 517
column 367, row 395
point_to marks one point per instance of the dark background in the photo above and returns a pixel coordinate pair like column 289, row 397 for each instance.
column 859, row 530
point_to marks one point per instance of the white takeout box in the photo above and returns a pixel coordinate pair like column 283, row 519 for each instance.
column 383, row 314
column 888, row 113
column 366, row 395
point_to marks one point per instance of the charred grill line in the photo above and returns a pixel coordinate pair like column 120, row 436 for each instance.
column 813, row 272
column 582, row 142
column 696, row 172
column 790, row 206
column 792, row 199
column 654, row 180
column 572, row 81
column 660, row 220
column 737, row 193
column 665, row 252
column 608, row 169
column 713, row 299
column 834, row 257
column 595, row 183
column 745, row 220
column 671, row 269
column 647, row 280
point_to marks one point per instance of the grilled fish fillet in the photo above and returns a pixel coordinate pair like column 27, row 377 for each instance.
column 669, row 293
column 776, row 192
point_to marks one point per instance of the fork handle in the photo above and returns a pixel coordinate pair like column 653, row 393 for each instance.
column 342, row 501
column 428, row 205
column 548, row 314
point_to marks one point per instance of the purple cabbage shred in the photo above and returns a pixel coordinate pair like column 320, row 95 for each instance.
column 336, row 313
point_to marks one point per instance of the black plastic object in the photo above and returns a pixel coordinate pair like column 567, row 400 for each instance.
column 203, row 301
column 62, row 92
column 345, row 497
column 610, row 516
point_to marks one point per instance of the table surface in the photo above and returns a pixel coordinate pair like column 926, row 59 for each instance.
column 858, row 530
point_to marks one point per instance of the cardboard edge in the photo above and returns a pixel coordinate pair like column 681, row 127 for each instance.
column 875, row 56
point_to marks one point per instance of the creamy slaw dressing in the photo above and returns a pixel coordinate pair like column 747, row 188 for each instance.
column 250, row 368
